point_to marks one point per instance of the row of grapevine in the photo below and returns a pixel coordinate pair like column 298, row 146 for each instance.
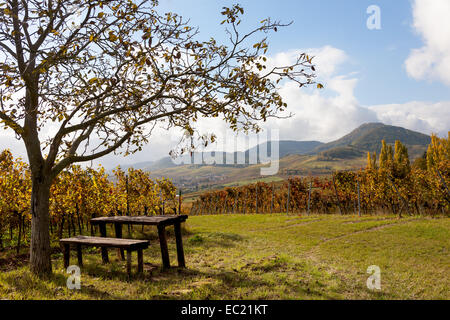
column 77, row 195
column 390, row 185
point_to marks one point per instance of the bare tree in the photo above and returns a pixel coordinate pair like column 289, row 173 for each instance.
column 104, row 73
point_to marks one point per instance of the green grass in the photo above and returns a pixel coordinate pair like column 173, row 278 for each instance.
column 265, row 257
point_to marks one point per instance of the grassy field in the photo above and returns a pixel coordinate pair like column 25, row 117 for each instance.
column 263, row 257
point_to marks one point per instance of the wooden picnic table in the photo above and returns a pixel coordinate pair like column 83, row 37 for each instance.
column 159, row 221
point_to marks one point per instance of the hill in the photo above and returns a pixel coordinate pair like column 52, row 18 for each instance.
column 368, row 137
column 287, row 147
column 345, row 152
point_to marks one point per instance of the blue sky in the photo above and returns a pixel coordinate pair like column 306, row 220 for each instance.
column 377, row 55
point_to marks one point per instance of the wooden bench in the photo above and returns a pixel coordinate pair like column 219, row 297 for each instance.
column 125, row 244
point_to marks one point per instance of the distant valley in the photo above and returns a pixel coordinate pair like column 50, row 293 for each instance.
column 296, row 158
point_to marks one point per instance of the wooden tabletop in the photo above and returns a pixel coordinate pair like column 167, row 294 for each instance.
column 107, row 242
column 145, row 220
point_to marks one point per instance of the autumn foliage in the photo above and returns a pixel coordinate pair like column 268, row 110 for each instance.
column 77, row 195
column 389, row 184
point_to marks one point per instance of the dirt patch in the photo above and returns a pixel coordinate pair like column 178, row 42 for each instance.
column 12, row 262
column 367, row 230
column 286, row 227
column 266, row 264
column 359, row 221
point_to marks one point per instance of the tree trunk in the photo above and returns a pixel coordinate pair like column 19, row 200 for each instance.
column 40, row 262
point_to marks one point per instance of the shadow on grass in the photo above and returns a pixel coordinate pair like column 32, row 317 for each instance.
column 26, row 284
column 215, row 239
column 232, row 285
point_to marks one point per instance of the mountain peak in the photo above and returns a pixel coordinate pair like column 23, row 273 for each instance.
column 368, row 136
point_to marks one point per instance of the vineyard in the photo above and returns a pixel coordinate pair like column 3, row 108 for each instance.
column 388, row 184
column 77, row 195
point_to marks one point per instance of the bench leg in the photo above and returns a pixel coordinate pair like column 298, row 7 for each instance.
column 118, row 229
column 66, row 255
column 179, row 240
column 129, row 262
column 79, row 255
column 105, row 258
column 140, row 261
column 163, row 244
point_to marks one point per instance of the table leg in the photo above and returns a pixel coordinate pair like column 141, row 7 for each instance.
column 79, row 255
column 118, row 229
column 66, row 255
column 179, row 241
column 140, row 261
column 129, row 262
column 105, row 258
column 163, row 244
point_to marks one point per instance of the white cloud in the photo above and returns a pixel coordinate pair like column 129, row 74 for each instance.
column 432, row 61
column 328, row 114
column 321, row 114
column 327, row 59
column 424, row 117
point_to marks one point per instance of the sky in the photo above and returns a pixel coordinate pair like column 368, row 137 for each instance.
column 398, row 74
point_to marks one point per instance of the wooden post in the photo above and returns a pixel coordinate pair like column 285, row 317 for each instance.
column 128, row 204
column 179, row 241
column 140, row 261
column 273, row 195
column 68, row 226
column 72, row 218
column 309, row 197
column 79, row 255
column 129, row 262
column 288, row 196
column 245, row 201
column 179, row 201
column 163, row 244
column 126, row 190
column 256, row 202
column 78, row 217
column 400, row 197
column 359, row 199
column 20, row 232
column 102, row 227
column 66, row 255
column 118, row 229
column 337, row 197
column 235, row 201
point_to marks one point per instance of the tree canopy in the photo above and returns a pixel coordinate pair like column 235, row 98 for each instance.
column 99, row 75
column 108, row 68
